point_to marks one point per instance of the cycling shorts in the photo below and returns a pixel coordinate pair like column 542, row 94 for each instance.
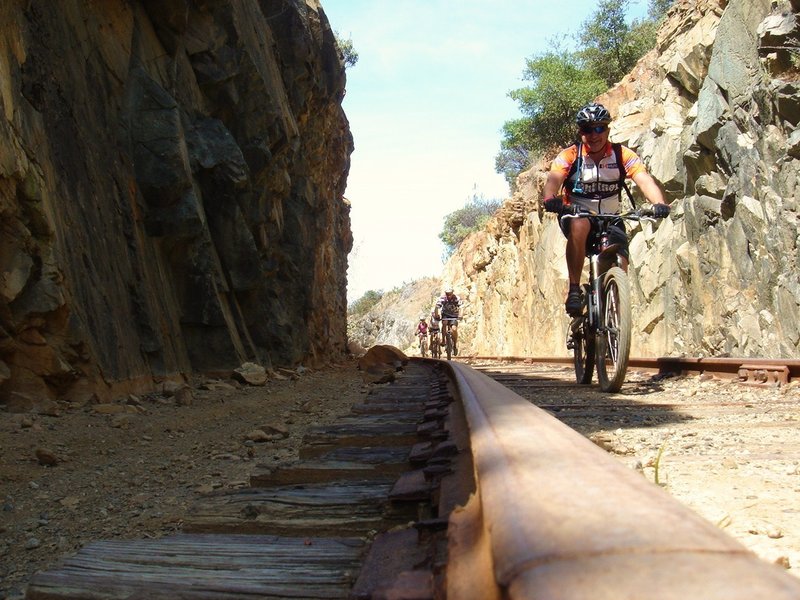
column 616, row 235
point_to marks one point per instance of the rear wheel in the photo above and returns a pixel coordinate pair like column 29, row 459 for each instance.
column 448, row 343
column 435, row 353
column 583, row 352
column 614, row 332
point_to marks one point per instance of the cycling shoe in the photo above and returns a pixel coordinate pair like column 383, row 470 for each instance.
column 574, row 303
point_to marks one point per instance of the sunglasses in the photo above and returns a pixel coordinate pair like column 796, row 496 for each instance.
column 596, row 129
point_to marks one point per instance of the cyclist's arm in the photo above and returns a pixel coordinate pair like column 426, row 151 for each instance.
column 649, row 187
column 552, row 187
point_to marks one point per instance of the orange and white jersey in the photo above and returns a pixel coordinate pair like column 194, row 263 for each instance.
column 595, row 186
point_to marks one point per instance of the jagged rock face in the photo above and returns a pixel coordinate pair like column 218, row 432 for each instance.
column 713, row 111
column 171, row 191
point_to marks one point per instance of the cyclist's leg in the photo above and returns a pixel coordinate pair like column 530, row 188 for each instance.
column 578, row 233
column 454, row 329
column 576, row 248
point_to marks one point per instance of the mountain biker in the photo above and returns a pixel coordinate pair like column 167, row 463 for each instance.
column 447, row 308
column 434, row 328
column 422, row 326
column 593, row 179
column 422, row 332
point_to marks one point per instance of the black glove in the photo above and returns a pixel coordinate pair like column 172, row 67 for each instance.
column 554, row 205
column 660, row 211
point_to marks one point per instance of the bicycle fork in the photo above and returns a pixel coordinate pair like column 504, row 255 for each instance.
column 595, row 290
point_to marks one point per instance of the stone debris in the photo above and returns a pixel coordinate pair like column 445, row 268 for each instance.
column 46, row 457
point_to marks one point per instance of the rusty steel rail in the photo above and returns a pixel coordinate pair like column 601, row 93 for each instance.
column 555, row 517
column 747, row 370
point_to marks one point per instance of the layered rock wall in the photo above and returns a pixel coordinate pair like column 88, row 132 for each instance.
column 713, row 111
column 171, row 191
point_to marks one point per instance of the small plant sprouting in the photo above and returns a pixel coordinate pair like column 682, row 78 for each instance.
column 657, row 464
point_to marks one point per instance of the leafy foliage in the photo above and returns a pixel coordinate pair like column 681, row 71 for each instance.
column 561, row 86
column 657, row 9
column 365, row 303
column 609, row 49
column 349, row 53
column 562, row 81
column 471, row 217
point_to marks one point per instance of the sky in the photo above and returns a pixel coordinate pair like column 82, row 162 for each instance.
column 426, row 103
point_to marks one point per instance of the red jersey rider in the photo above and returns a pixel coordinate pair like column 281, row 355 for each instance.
column 422, row 327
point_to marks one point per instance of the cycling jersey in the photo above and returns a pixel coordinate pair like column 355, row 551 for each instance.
column 422, row 328
column 448, row 307
column 595, row 186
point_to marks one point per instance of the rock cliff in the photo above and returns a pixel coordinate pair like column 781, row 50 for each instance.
column 171, row 192
column 714, row 113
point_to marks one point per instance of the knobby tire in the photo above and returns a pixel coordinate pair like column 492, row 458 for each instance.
column 614, row 332
column 449, row 343
column 583, row 351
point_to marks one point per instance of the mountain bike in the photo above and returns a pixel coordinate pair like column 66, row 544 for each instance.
column 435, row 345
column 449, row 347
column 601, row 335
column 423, row 344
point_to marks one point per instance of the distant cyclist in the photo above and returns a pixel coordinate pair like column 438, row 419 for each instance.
column 434, row 326
column 422, row 327
column 593, row 173
column 422, row 334
column 447, row 308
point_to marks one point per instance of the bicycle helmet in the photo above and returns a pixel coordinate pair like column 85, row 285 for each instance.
column 448, row 289
column 593, row 113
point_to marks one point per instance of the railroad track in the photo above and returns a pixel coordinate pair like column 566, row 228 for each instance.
column 444, row 484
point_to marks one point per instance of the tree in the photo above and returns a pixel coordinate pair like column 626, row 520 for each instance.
column 609, row 49
column 349, row 54
column 514, row 156
column 562, row 82
column 657, row 9
column 471, row 217
column 561, row 85
column 365, row 303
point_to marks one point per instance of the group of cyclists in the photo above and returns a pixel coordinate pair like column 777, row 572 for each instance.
column 443, row 321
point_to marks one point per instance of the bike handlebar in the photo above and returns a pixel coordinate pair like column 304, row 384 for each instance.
column 643, row 214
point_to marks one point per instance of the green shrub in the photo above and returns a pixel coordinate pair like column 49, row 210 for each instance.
column 363, row 305
column 471, row 217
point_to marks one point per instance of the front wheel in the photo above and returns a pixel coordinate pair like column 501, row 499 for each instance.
column 583, row 351
column 614, row 331
column 448, row 345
